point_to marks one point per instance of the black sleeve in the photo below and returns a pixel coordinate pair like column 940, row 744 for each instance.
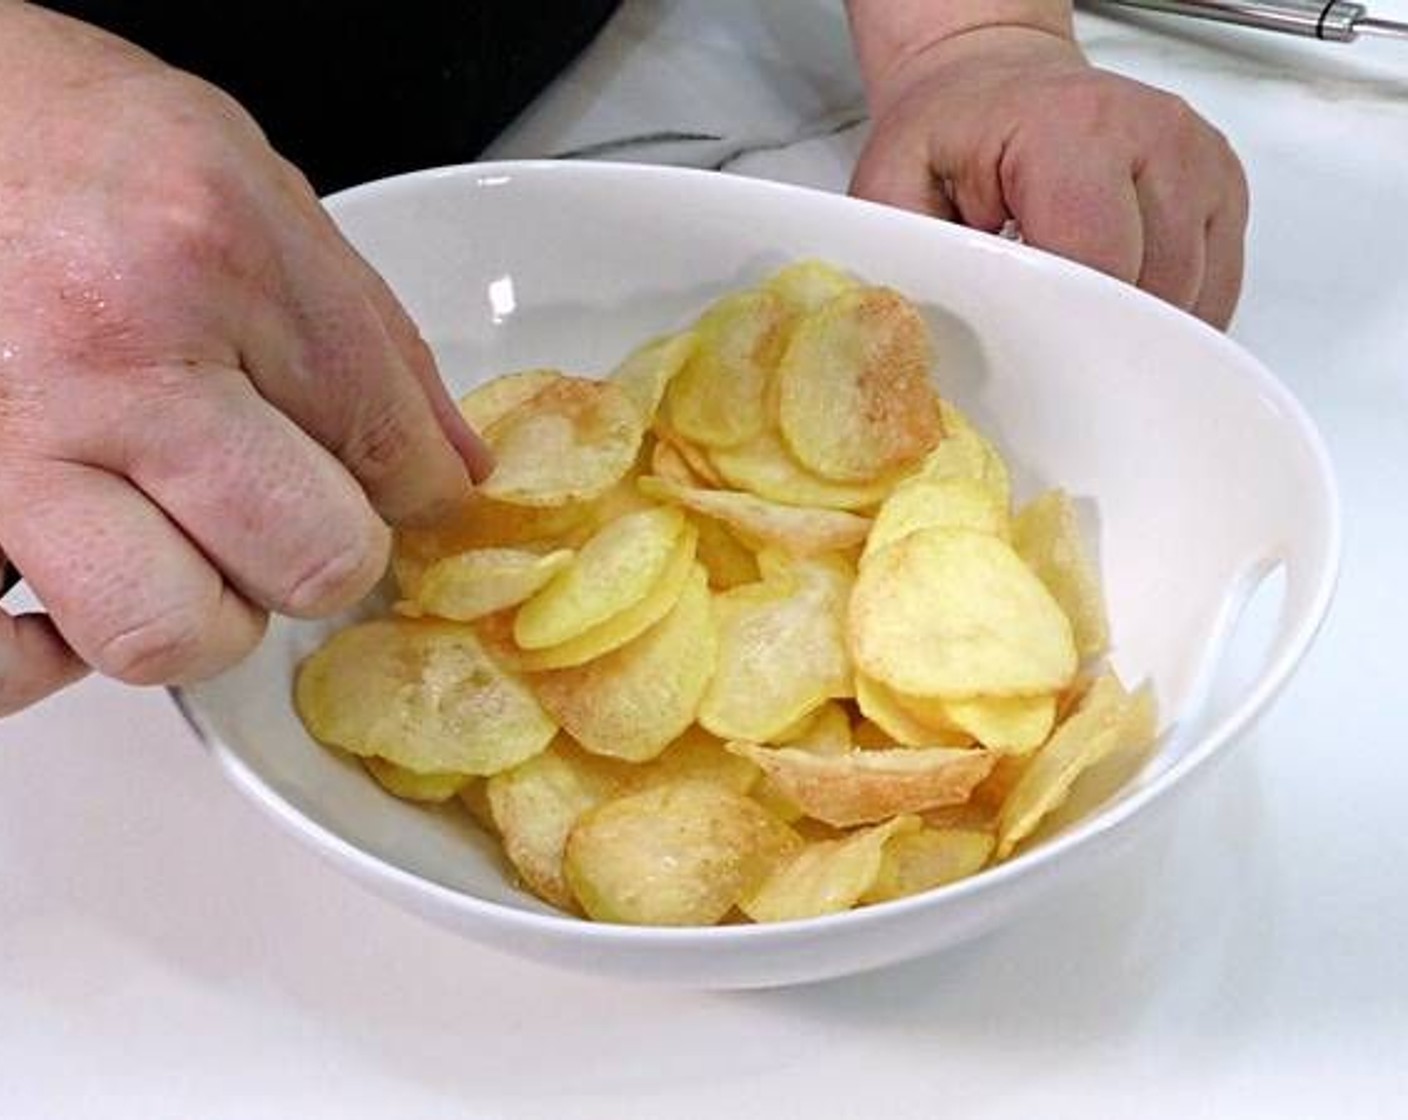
column 353, row 91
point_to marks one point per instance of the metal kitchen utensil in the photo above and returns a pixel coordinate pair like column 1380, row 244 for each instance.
column 1337, row 21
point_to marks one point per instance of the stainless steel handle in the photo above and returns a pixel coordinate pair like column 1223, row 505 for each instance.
column 1334, row 20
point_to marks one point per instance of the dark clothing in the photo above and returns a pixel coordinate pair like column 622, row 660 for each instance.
column 354, row 91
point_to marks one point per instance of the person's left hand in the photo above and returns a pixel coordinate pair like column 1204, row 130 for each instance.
column 1012, row 123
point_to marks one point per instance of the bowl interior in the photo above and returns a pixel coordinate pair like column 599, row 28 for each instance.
column 1195, row 470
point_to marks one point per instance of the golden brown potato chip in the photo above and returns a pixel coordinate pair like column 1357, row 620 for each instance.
column 932, row 857
column 782, row 651
column 570, row 442
column 481, row 581
column 1008, row 724
column 636, row 700
column 717, row 399
column 424, row 695
column 694, row 456
column 883, row 707
column 763, row 466
column 727, row 561
column 964, row 453
column 1106, row 719
column 535, row 805
column 1046, row 534
column 646, row 372
column 826, row 731
column 866, row 786
column 826, row 876
column 855, row 401
column 951, row 503
column 677, row 854
column 614, row 570
column 410, row 786
column 761, row 524
column 808, row 286
column 953, row 613
column 492, row 400
column 667, row 461
column 694, row 756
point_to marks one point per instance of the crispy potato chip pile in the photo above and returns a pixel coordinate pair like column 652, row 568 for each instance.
column 747, row 630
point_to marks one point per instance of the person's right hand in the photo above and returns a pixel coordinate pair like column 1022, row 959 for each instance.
column 210, row 406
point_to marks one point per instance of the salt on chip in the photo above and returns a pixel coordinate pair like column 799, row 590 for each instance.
column 614, row 570
column 635, row 701
column 677, row 854
column 826, row 876
column 423, row 695
column 761, row 524
column 950, row 503
column 1106, row 719
column 571, row 441
column 763, row 466
column 480, row 581
column 717, row 398
column 855, row 399
column 1046, row 534
column 410, row 786
column 923, row 860
column 782, row 651
column 866, row 786
column 953, row 613
column 648, row 371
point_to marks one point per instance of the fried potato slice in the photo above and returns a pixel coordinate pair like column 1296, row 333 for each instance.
column 953, row 613
column 884, row 708
column 1046, row 534
column 855, row 399
column 826, row 731
column 716, row 400
column 694, row 756
column 914, row 862
column 1106, row 719
column 694, row 456
column 471, row 584
column 866, row 786
column 677, row 854
column 667, row 461
column 950, row 503
column 635, row 701
column 571, row 441
column 1008, row 724
column 762, row 524
column 614, row 570
column 826, row 876
column 781, row 653
column 648, row 371
column 410, row 786
column 965, row 453
column 763, row 466
column 492, row 400
column 535, row 805
column 807, row 286
column 423, row 695
column 728, row 562
column 474, row 796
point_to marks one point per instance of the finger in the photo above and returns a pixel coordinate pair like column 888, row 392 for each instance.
column 893, row 168
column 35, row 661
column 1175, row 218
column 129, row 593
column 1087, row 210
column 280, row 517
column 1226, row 249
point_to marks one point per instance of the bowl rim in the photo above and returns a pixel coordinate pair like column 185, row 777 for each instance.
column 1109, row 821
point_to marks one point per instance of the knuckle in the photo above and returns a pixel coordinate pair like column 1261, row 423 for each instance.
column 156, row 650
column 380, row 442
column 337, row 580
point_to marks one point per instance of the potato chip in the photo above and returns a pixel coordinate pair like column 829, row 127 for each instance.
column 808, row 286
column 570, row 442
column 694, row 756
column 1046, row 534
column 964, row 453
column 763, row 466
column 724, row 557
column 481, row 581
column 953, row 613
column 782, row 651
column 866, row 786
column 1009, row 724
column 761, row 524
column 1105, row 720
column 535, row 805
column 855, row 401
column 827, row 731
column 474, row 796
column 423, row 695
column 646, row 372
column 717, row 399
column 489, row 402
column 620, row 628
column 826, row 876
column 932, row 857
column 950, row 503
column 636, row 700
column 882, row 707
column 694, row 456
column 667, row 461
column 677, row 854
column 614, row 570
column 410, row 786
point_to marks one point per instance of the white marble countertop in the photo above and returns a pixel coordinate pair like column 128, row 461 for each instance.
column 165, row 953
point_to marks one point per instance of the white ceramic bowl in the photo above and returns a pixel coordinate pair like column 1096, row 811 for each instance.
column 1204, row 472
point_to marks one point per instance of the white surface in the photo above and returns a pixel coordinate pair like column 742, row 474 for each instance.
column 165, row 953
